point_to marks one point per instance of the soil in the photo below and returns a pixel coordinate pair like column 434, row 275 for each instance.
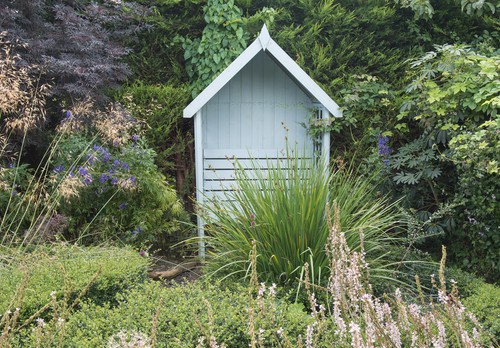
column 180, row 271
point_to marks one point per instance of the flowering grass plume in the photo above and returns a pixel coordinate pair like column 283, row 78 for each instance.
column 361, row 320
column 22, row 99
column 132, row 339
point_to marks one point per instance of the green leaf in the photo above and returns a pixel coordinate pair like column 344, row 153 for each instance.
column 239, row 33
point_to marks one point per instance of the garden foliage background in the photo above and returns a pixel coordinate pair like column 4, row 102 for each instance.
column 418, row 82
column 93, row 146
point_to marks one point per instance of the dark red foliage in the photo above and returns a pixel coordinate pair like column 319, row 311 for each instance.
column 79, row 42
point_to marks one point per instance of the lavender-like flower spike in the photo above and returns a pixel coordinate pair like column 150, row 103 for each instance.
column 383, row 148
column 59, row 168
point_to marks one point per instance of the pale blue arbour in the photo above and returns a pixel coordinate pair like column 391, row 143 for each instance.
column 253, row 109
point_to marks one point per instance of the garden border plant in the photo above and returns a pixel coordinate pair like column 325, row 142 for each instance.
column 282, row 208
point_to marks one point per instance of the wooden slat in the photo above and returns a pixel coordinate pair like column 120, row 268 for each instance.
column 216, row 164
column 220, row 185
column 219, row 195
column 247, row 154
column 219, row 174
column 229, row 174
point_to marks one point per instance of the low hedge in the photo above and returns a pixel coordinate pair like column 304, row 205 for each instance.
column 67, row 270
column 485, row 304
column 184, row 314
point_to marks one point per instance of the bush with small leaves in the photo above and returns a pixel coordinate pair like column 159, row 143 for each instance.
column 65, row 271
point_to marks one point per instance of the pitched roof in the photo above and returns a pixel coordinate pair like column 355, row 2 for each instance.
column 265, row 43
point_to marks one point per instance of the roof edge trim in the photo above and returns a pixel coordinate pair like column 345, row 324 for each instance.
column 264, row 42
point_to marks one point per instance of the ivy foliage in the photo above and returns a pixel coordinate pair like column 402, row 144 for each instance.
column 223, row 39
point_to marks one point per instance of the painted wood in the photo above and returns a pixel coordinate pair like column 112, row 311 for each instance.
column 220, row 166
column 198, row 154
column 247, row 154
column 325, row 145
column 222, row 79
column 264, row 43
column 260, row 112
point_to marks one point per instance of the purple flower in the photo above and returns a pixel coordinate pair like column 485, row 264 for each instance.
column 252, row 223
column 103, row 151
column 91, row 159
column 114, row 181
column 252, row 216
column 106, row 156
column 11, row 165
column 67, row 117
column 116, row 163
column 59, row 169
column 137, row 230
column 383, row 149
column 135, row 137
column 133, row 180
column 122, row 206
column 104, row 178
column 87, row 177
column 83, row 171
column 125, row 166
column 143, row 253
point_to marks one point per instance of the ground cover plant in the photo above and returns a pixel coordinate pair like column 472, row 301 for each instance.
column 65, row 271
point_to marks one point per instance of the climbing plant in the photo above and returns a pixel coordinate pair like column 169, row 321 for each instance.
column 223, row 39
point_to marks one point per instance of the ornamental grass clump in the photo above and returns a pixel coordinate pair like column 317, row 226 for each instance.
column 283, row 208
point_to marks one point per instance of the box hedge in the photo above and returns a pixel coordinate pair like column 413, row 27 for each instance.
column 67, row 270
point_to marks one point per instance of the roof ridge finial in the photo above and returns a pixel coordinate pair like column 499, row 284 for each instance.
column 264, row 37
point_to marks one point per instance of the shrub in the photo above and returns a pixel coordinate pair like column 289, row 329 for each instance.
column 283, row 209
column 476, row 155
column 160, row 107
column 184, row 314
column 453, row 103
column 485, row 304
column 66, row 270
column 120, row 194
column 206, row 314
